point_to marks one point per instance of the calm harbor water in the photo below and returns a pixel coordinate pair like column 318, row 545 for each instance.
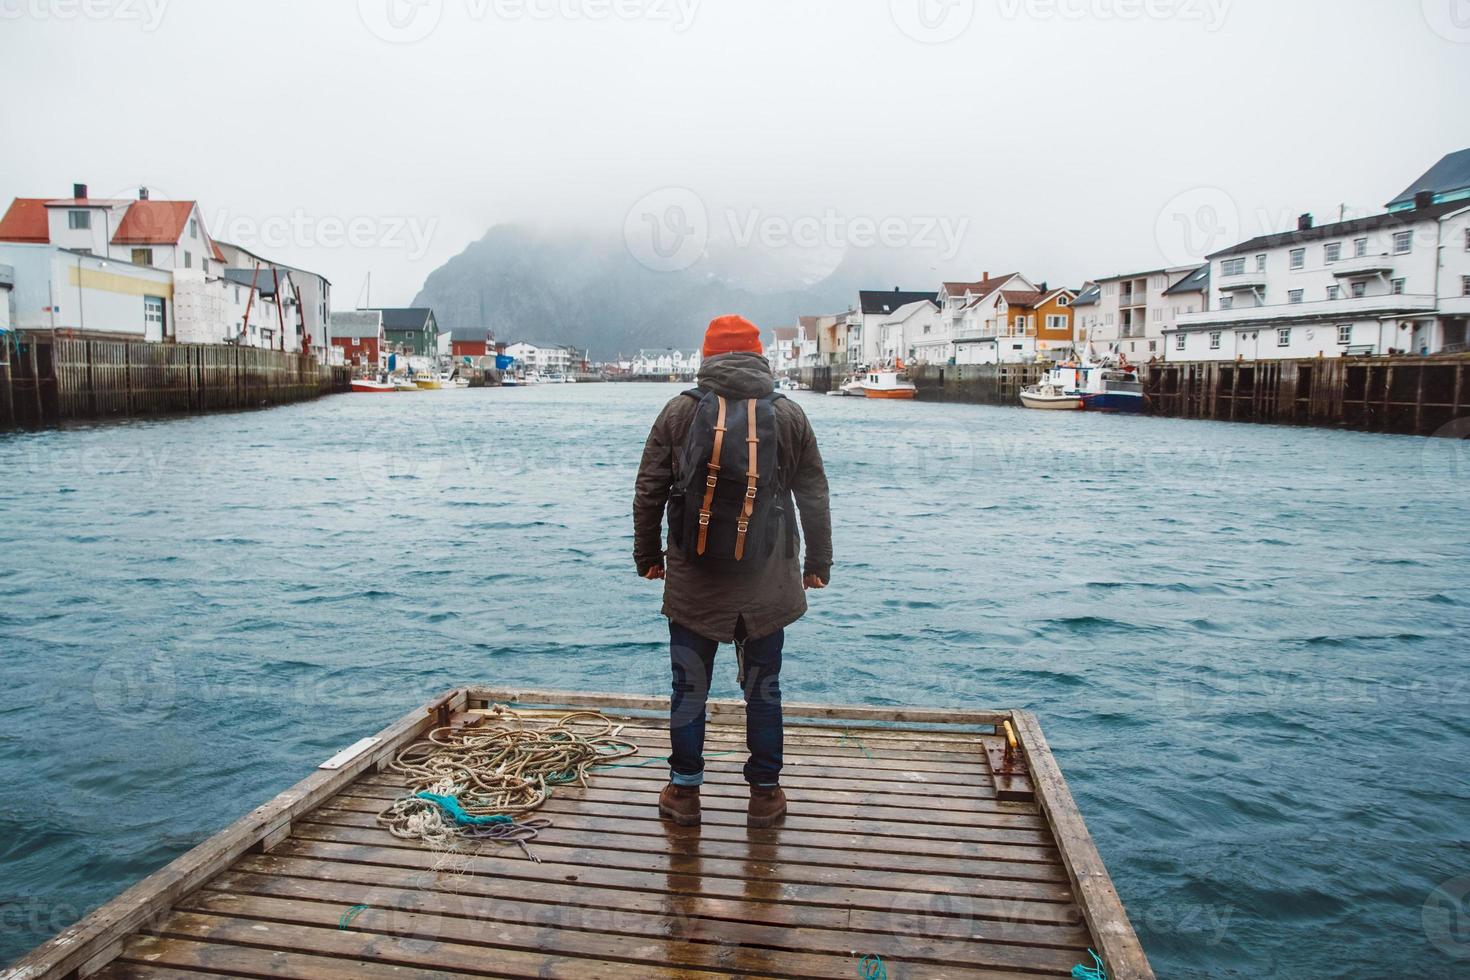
column 1246, row 644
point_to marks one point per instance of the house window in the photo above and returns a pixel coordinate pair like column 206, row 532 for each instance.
column 1232, row 267
column 1294, row 296
column 1334, row 292
column 1298, row 258
column 1345, row 334
column 1283, row 337
column 1260, row 263
column 142, row 256
column 1465, row 285
column 79, row 220
column 1179, row 342
column 1062, row 301
column 1214, row 340
column 1403, row 242
column 188, row 261
column 1331, row 252
column 1227, row 302
column 1360, row 247
column 193, row 227
column 1360, row 289
column 1153, row 346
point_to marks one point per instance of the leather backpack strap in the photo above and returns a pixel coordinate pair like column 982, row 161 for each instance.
column 752, row 442
column 712, row 478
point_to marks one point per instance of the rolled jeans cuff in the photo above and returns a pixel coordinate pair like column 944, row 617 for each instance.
column 680, row 779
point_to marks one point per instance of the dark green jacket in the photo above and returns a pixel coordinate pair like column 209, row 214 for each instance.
column 709, row 600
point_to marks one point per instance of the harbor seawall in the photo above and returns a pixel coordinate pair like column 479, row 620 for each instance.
column 1405, row 395
column 46, row 380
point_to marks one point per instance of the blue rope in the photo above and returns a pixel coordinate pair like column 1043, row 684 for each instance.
column 450, row 805
column 873, row 968
column 1081, row 972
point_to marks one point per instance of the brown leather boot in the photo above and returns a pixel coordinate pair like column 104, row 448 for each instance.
column 680, row 804
column 767, row 806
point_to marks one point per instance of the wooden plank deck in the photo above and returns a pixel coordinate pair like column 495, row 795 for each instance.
column 895, row 847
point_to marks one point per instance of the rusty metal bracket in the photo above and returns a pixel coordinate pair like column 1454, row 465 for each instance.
column 1008, row 768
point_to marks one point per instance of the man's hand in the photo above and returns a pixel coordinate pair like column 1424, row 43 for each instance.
column 813, row 582
column 656, row 572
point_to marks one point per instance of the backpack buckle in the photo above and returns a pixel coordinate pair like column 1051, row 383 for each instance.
column 704, row 518
column 710, row 481
column 742, row 526
column 750, row 493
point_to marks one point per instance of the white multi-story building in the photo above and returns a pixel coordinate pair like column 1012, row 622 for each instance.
column 545, row 358
column 865, row 321
column 782, row 352
column 666, row 363
column 1131, row 313
column 915, row 333
column 313, row 312
column 1397, row 282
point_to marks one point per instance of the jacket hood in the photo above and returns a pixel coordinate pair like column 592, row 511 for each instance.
column 737, row 375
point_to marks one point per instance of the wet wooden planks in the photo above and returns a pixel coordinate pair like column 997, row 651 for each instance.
column 895, row 847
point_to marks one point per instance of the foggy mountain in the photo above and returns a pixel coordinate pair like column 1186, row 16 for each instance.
column 524, row 284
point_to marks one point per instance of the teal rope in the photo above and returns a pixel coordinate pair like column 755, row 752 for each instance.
column 1081, row 972
column 873, row 969
column 450, row 805
column 349, row 915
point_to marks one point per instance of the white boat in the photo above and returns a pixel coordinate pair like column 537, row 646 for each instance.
column 886, row 384
column 461, row 382
column 403, row 384
column 852, row 386
column 508, row 380
column 1088, row 386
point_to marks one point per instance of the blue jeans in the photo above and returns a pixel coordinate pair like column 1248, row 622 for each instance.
column 693, row 658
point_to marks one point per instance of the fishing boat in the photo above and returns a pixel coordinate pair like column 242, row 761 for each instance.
column 508, row 380
column 371, row 386
column 1088, row 386
column 461, row 382
column 404, row 384
column 907, row 827
column 428, row 382
column 884, row 383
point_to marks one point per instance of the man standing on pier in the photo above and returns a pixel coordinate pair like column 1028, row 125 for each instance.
column 733, row 461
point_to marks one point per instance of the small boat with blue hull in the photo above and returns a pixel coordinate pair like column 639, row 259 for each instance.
column 1088, row 387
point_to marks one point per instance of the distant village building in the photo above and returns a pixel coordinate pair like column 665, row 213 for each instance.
column 665, row 363
column 781, row 351
column 359, row 335
column 410, row 330
column 864, row 321
column 1133, row 312
column 310, row 295
column 545, row 358
column 911, row 334
column 71, row 290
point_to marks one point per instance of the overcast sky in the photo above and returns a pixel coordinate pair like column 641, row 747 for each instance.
column 1065, row 138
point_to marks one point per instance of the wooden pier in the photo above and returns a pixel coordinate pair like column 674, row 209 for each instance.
column 896, row 849
column 46, row 379
column 1401, row 394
